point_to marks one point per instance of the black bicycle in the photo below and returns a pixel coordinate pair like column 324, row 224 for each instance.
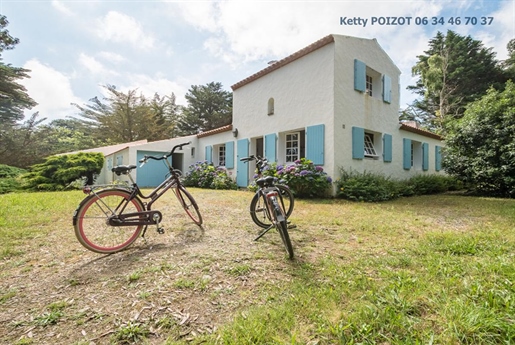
column 270, row 203
column 257, row 205
column 112, row 218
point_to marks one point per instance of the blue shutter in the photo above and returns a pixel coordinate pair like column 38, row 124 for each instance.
column 387, row 147
column 360, row 75
column 358, row 143
column 270, row 147
column 406, row 154
column 209, row 154
column 242, row 169
column 229, row 155
column 315, row 144
column 425, row 156
column 387, row 89
column 438, row 158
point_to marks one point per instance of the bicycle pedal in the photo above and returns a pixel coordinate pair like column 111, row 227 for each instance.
column 292, row 226
column 160, row 231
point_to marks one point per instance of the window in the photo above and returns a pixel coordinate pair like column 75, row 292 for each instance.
column 221, row 155
column 416, row 155
column 271, row 106
column 370, row 150
column 292, row 147
column 369, row 84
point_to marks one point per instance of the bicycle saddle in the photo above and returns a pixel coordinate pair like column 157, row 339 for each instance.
column 123, row 169
column 265, row 181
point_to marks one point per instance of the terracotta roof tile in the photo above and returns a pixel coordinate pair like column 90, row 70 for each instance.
column 215, row 131
column 413, row 129
column 312, row 47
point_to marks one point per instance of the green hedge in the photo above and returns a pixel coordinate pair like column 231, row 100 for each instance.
column 374, row 187
column 10, row 178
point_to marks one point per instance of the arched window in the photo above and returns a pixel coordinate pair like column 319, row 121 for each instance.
column 271, row 106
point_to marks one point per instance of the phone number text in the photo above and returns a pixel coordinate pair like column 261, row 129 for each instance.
column 360, row 21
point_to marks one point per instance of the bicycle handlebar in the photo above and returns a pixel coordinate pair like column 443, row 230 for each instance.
column 260, row 161
column 145, row 158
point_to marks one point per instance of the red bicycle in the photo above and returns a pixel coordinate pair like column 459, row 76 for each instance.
column 112, row 218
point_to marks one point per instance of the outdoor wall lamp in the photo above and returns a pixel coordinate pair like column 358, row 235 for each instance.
column 235, row 132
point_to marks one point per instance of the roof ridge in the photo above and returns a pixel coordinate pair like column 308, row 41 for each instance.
column 290, row 58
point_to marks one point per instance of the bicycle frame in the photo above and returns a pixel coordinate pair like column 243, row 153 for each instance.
column 150, row 217
column 271, row 194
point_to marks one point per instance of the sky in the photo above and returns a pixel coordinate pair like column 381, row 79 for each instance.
column 73, row 48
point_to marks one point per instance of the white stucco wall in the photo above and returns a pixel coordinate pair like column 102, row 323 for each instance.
column 354, row 108
column 302, row 96
column 216, row 140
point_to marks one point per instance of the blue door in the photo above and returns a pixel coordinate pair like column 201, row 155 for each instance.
column 242, row 169
column 152, row 173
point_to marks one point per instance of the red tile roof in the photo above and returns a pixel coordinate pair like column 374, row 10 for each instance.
column 215, row 131
column 413, row 129
column 312, row 47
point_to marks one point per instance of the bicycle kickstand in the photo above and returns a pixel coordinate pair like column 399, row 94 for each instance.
column 264, row 232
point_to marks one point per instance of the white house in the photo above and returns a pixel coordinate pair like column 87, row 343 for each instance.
column 334, row 102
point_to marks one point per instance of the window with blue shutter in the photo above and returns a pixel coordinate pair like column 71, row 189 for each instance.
column 387, row 89
column 387, row 148
column 229, row 155
column 358, row 143
column 425, row 156
column 406, row 153
column 242, row 169
column 315, row 144
column 270, row 147
column 360, row 75
column 438, row 158
column 209, row 154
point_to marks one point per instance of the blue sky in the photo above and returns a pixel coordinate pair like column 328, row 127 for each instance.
column 74, row 47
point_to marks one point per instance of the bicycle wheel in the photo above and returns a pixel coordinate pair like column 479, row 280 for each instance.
column 258, row 210
column 189, row 204
column 283, row 231
column 92, row 225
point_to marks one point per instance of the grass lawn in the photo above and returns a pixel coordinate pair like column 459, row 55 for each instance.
column 424, row 270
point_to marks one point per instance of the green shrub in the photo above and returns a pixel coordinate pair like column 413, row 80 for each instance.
column 366, row 186
column 428, row 184
column 374, row 187
column 206, row 175
column 9, row 178
column 60, row 172
column 305, row 179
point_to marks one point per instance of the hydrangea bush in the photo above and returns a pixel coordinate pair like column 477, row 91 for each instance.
column 305, row 179
column 206, row 175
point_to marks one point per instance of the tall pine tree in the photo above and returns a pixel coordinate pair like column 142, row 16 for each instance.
column 14, row 99
column 209, row 107
column 453, row 72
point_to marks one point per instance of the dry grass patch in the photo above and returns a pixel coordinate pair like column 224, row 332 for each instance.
column 194, row 284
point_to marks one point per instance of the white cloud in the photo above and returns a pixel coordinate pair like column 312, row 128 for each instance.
column 501, row 31
column 91, row 64
column 111, row 57
column 149, row 85
column 252, row 30
column 51, row 89
column 121, row 28
column 58, row 5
